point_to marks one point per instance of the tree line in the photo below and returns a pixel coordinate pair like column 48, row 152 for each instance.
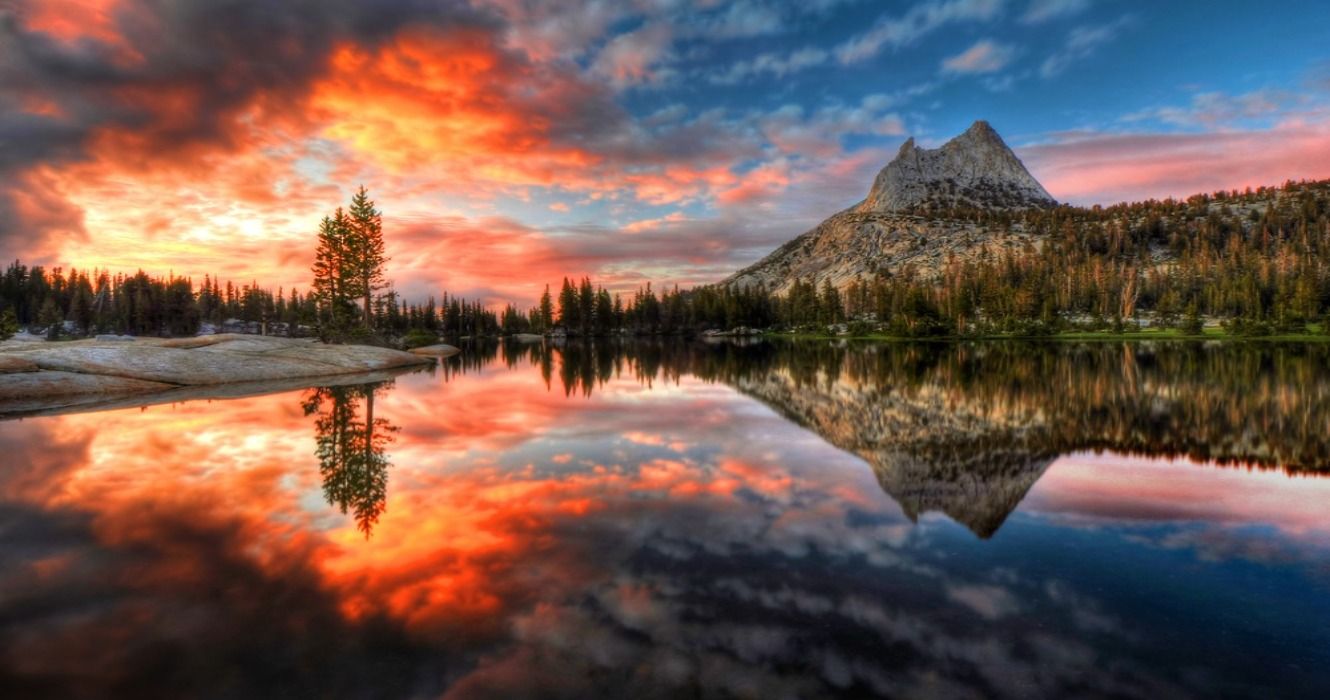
column 349, row 298
column 78, row 303
column 1256, row 259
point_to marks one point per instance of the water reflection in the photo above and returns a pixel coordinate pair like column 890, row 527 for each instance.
column 1261, row 404
column 695, row 520
column 350, row 448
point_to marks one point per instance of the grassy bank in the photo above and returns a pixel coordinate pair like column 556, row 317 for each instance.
column 1315, row 334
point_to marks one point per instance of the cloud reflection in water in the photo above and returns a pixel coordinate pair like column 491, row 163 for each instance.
column 655, row 538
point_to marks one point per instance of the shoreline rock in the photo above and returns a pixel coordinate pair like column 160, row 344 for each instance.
column 439, row 350
column 10, row 365
column 40, row 374
column 54, row 405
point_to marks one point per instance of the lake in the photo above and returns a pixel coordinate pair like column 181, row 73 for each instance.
column 753, row 519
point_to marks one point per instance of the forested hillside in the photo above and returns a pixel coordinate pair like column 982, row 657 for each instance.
column 1257, row 259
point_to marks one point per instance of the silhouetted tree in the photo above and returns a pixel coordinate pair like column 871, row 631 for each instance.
column 351, row 450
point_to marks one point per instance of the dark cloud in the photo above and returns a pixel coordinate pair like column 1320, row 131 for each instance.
column 171, row 75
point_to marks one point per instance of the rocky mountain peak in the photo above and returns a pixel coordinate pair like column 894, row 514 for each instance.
column 974, row 169
column 906, row 218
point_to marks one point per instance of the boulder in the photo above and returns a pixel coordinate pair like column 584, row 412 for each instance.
column 440, row 350
column 29, row 386
column 10, row 364
column 217, row 359
column 349, row 358
column 113, row 397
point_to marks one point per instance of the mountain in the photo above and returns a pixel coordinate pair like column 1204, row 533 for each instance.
column 905, row 219
column 975, row 169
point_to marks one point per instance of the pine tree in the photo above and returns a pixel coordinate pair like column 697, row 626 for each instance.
column 8, row 324
column 365, row 251
column 332, row 276
column 586, row 305
column 546, row 314
column 568, row 307
column 50, row 316
column 604, row 312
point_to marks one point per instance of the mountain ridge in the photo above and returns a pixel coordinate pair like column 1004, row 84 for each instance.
column 904, row 218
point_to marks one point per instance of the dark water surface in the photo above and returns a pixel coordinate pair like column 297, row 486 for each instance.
column 691, row 520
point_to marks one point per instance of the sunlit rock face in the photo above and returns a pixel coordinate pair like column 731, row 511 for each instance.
column 89, row 373
column 905, row 220
column 975, row 169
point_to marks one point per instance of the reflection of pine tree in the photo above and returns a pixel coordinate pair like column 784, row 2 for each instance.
column 351, row 451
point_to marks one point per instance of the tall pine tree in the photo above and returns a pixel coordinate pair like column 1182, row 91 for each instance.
column 333, row 276
column 365, row 249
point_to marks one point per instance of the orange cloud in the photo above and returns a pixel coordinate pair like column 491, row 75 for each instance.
column 73, row 21
column 447, row 99
column 219, row 152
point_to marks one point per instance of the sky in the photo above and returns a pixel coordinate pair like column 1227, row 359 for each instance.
column 511, row 143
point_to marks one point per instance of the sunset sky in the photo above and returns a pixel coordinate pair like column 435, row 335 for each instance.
column 514, row 142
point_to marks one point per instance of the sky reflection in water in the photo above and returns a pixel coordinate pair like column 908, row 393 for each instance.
column 576, row 523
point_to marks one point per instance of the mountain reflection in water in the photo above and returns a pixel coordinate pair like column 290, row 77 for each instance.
column 710, row 520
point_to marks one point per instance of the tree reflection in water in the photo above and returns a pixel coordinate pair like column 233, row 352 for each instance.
column 351, row 449
column 1252, row 404
column 964, row 429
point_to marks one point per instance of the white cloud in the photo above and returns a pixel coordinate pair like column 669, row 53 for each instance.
column 790, row 130
column 990, row 602
column 892, row 32
column 744, row 19
column 777, row 65
column 986, row 56
column 1081, row 43
column 1216, row 110
column 1044, row 10
column 636, row 58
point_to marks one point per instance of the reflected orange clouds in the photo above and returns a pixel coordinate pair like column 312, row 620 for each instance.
column 460, row 520
column 522, row 523
column 478, row 497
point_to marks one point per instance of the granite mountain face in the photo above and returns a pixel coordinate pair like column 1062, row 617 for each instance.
column 975, row 169
column 906, row 217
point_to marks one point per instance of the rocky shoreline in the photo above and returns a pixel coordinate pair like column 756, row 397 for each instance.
column 40, row 378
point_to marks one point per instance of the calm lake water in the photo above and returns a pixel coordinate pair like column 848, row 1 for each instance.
column 690, row 520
